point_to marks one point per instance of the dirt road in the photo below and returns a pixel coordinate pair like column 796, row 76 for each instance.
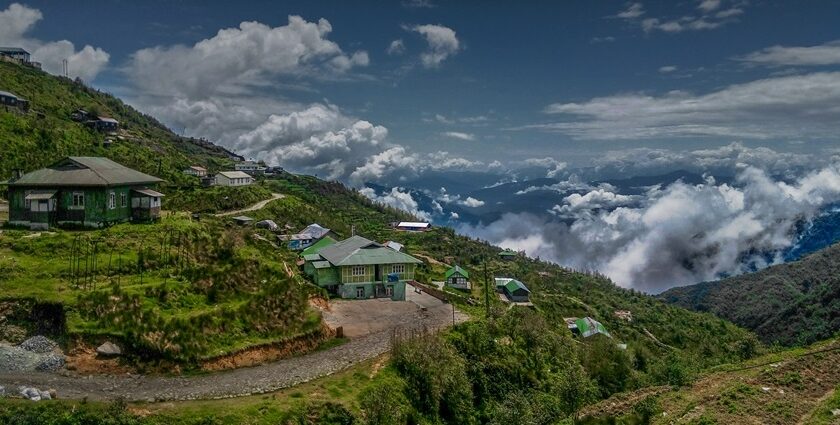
column 365, row 343
column 258, row 206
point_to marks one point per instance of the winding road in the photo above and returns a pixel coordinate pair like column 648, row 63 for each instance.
column 419, row 311
column 258, row 206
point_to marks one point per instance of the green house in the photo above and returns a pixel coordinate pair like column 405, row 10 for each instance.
column 359, row 268
column 82, row 191
column 515, row 290
column 457, row 277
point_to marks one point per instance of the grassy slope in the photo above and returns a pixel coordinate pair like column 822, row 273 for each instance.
column 793, row 303
column 47, row 133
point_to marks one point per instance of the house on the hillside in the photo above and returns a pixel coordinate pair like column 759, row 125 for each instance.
column 195, row 170
column 514, row 290
column 79, row 115
column 103, row 124
column 12, row 100
column 83, row 191
column 16, row 53
column 413, row 226
column 587, row 327
column 250, row 167
column 318, row 246
column 359, row 268
column 508, row 255
column 233, row 178
column 457, row 277
column 308, row 236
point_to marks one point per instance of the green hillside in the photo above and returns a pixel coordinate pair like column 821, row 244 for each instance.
column 793, row 304
column 47, row 133
column 182, row 291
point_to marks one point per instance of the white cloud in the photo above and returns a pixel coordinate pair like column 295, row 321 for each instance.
column 459, row 135
column 605, row 39
column 707, row 16
column 553, row 167
column 667, row 69
column 597, row 199
column 680, row 234
column 398, row 198
column 823, row 54
column 472, row 202
column 633, row 11
column 442, row 43
column 798, row 106
column 397, row 47
column 319, row 139
column 17, row 20
column 237, row 60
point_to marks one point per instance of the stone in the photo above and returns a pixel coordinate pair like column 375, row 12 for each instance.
column 30, row 393
column 108, row 349
column 2, row 391
column 53, row 394
column 38, row 344
column 835, row 412
column 50, row 363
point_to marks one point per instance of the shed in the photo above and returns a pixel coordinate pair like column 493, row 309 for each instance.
column 589, row 326
column 508, row 255
column 457, row 277
column 242, row 220
column 233, row 178
column 413, row 226
column 515, row 290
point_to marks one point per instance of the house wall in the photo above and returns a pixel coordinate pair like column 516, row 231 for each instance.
column 370, row 273
column 326, row 277
column 349, row 291
column 96, row 212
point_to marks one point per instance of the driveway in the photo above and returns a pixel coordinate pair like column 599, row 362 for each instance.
column 368, row 323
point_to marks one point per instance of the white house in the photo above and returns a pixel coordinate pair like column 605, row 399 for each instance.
column 250, row 167
column 413, row 226
column 233, row 178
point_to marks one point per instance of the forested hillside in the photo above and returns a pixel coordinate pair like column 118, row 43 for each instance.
column 47, row 133
column 794, row 303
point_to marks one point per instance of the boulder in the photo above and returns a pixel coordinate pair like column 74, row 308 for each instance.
column 30, row 393
column 108, row 349
column 2, row 391
column 50, row 363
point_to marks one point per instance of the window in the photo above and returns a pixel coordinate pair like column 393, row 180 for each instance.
column 123, row 200
column 360, row 292
column 26, row 202
column 112, row 200
column 358, row 271
column 78, row 199
column 389, row 291
column 398, row 268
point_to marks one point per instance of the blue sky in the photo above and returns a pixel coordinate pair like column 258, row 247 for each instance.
column 490, row 97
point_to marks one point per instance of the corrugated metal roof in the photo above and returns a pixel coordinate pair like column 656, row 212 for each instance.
column 108, row 119
column 396, row 246
column 40, row 195
column 12, row 50
column 511, row 284
column 312, row 257
column 8, row 94
column 322, row 264
column 78, row 171
column 413, row 224
column 150, row 192
column 234, row 174
column 456, row 269
column 360, row 251
column 313, row 231
column 318, row 246
column 589, row 326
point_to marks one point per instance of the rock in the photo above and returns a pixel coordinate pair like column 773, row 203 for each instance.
column 2, row 391
column 13, row 334
column 53, row 394
column 108, row 349
column 38, row 344
column 50, row 363
column 30, row 393
column 45, row 395
column 835, row 412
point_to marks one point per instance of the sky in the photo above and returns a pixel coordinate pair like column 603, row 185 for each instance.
column 390, row 92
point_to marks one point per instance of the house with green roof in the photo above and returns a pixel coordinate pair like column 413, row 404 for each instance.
column 515, row 290
column 508, row 255
column 457, row 277
column 360, row 268
column 82, row 191
column 588, row 326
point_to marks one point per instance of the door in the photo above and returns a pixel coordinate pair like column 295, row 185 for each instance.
column 377, row 273
column 360, row 292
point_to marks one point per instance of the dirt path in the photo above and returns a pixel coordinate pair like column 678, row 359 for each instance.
column 247, row 381
column 258, row 206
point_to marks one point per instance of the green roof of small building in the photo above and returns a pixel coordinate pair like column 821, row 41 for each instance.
column 318, row 246
column 456, row 269
column 84, row 171
column 312, row 257
column 360, row 251
column 589, row 326
column 321, row 264
column 507, row 253
column 514, row 284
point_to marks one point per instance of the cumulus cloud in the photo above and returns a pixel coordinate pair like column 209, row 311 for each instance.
column 398, row 198
column 472, row 202
column 17, row 20
column 667, row 69
column 676, row 235
column 460, row 135
column 238, row 59
column 553, row 167
column 594, row 200
column 397, row 47
column 442, row 43
column 709, row 14
column 398, row 163
column 823, row 54
column 793, row 106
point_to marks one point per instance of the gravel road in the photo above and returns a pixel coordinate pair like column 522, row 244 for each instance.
column 285, row 373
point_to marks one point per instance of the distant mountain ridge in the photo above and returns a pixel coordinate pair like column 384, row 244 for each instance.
column 792, row 303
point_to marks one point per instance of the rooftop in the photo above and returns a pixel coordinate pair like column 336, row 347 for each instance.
column 413, row 224
column 456, row 269
column 12, row 50
column 235, row 174
column 78, row 171
column 360, row 251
